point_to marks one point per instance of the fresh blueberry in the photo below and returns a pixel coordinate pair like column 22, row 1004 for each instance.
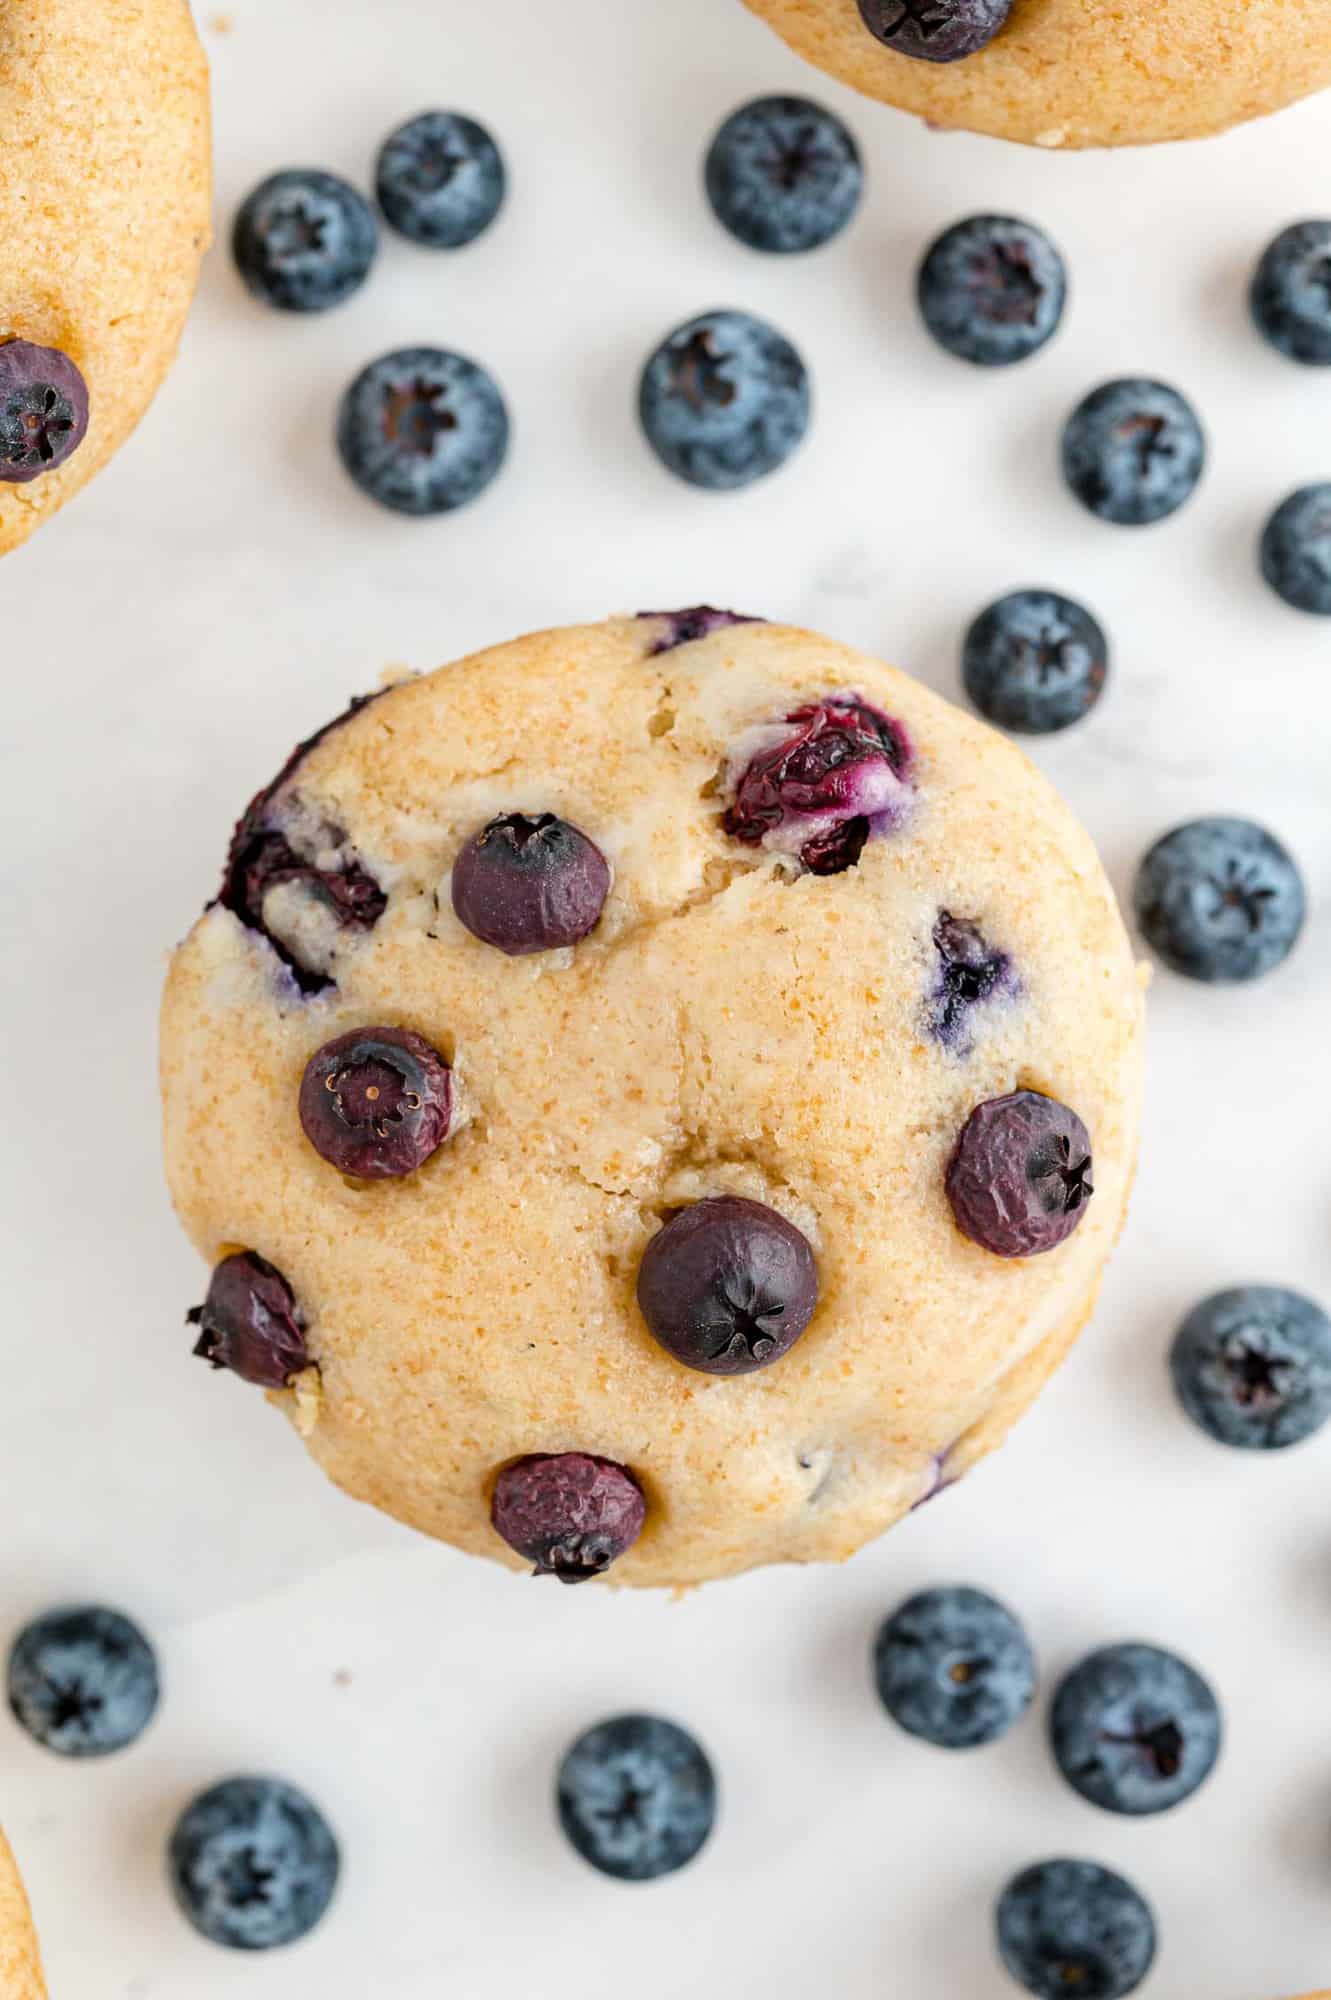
column 699, row 621
column 529, row 882
column 727, row 1285
column 1071, row 1927
column 637, row 1797
column 441, row 179
column 571, row 1515
column 954, row 1667
column 376, row 1103
column 935, row 30
column 724, row 400
column 1135, row 1730
column 43, row 410
column 83, row 1681
column 1035, row 662
column 304, row 240
column 820, row 782
column 1252, row 1367
column 783, row 174
column 992, row 290
column 1133, row 452
column 1019, row 1179
column 1296, row 550
column 1291, row 293
column 970, row 972
column 1220, row 900
column 253, row 1864
column 423, row 431
column 250, row 1323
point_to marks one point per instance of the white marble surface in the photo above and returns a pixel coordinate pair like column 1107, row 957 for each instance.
column 220, row 591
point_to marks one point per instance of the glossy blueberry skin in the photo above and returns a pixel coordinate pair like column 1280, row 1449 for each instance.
column 821, row 782
column 83, row 1681
column 1019, row 1181
column 1291, row 293
column 1135, row 1730
column 992, row 290
column 440, row 180
column 304, row 240
column 529, row 882
column 1220, row 900
column 727, row 1285
column 423, row 431
column 637, row 1797
column 1252, row 1367
column 935, row 30
column 1068, row 1927
column 1295, row 551
column 724, row 400
column 1133, row 452
column 570, row 1514
column 253, row 1864
column 1035, row 662
column 955, row 1667
column 969, row 972
column 43, row 411
column 783, row 175
column 376, row 1102
column 250, row 1323
column 699, row 621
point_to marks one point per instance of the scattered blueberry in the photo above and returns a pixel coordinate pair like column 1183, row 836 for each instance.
column 637, row 1797
column 783, row 174
column 250, row 1323
column 1296, row 550
column 681, row 628
column 1071, row 1927
column 724, row 400
column 935, row 30
column 1291, row 293
column 970, row 972
column 1252, row 1367
column 253, row 1864
column 1133, row 452
column 821, row 787
column 376, row 1102
column 1035, row 662
column 1019, row 1180
column 727, row 1285
column 954, row 1667
column 423, row 431
column 441, row 179
column 1220, row 900
column 304, row 240
column 43, row 410
column 992, row 290
column 83, row 1681
column 530, row 882
column 571, row 1514
column 1135, row 1730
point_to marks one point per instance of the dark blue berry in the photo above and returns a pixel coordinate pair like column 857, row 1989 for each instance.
column 992, row 290
column 83, row 1681
column 1220, row 900
column 1296, row 550
column 699, row 621
column 250, row 1322
column 637, row 1797
column 954, row 1667
column 1133, row 452
column 724, row 400
column 1291, row 293
column 1035, row 662
column 935, row 30
column 1135, row 1730
column 423, row 431
column 304, row 240
column 376, row 1102
column 1071, row 1927
column 969, row 973
column 570, row 1514
column 727, row 1285
column 43, row 410
column 1252, row 1367
column 1019, row 1180
column 821, row 781
column 253, row 1864
column 440, row 179
column 530, row 882
column 783, row 174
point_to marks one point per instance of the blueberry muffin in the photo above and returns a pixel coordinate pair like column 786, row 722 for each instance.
column 20, row 1961
column 104, row 193
column 1068, row 72
column 658, row 1093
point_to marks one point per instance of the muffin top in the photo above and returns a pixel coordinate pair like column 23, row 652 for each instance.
column 20, row 1963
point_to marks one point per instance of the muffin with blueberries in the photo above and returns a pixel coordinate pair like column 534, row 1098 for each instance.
column 657, row 1097
column 20, row 1960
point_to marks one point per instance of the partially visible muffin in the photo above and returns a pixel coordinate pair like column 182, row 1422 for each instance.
column 20, row 1961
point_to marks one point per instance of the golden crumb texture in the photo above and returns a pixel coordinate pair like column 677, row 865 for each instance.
column 20, row 1962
